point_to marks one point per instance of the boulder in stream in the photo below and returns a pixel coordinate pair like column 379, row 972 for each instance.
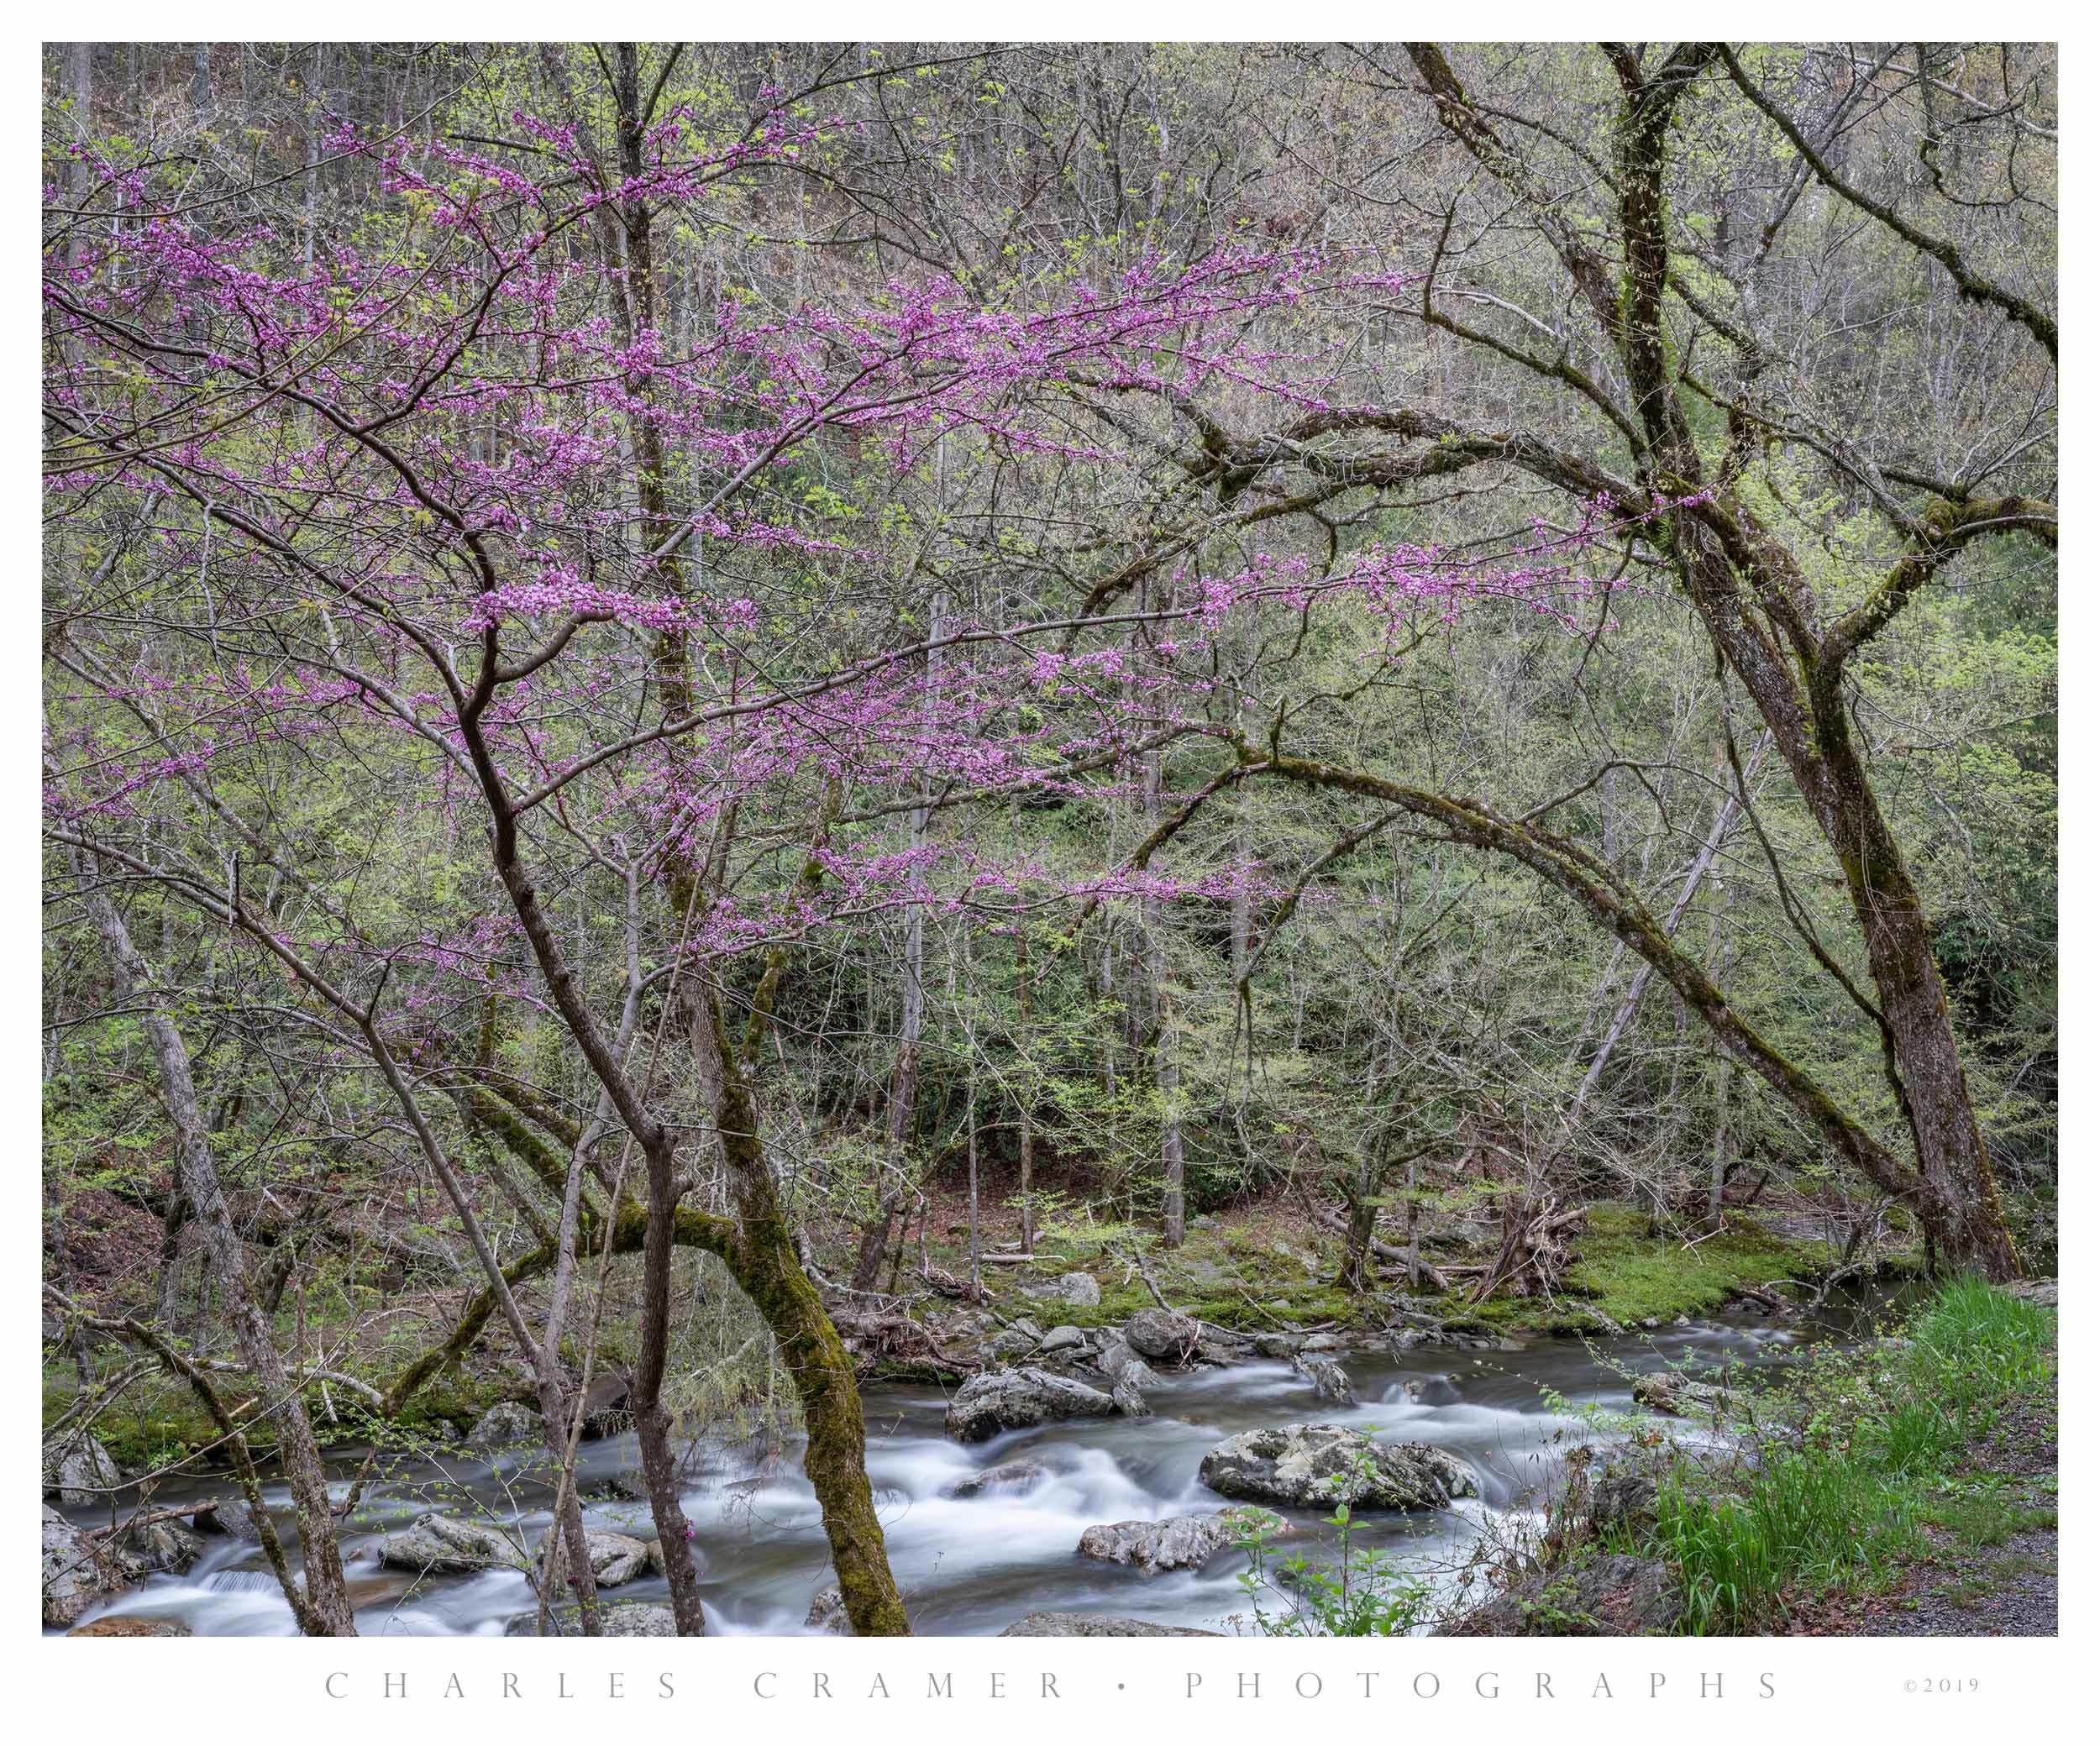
column 1118, row 1363
column 1180, row 1543
column 1609, row 1595
column 827, row 1612
column 504, row 1425
column 605, row 1403
column 1164, row 1335
column 1329, row 1381
column 228, row 1517
column 1008, row 1479
column 80, row 1472
column 130, row 1624
column 1664, row 1391
column 1316, row 1467
column 657, row 1567
column 165, row 1545
column 445, row 1546
column 1094, row 1624
column 1129, row 1400
column 615, row 1558
column 1011, row 1400
column 615, row 1618
column 79, row 1570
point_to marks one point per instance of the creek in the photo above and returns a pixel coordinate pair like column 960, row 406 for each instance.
column 973, row 1565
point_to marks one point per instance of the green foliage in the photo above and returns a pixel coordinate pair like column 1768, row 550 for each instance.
column 1850, row 1464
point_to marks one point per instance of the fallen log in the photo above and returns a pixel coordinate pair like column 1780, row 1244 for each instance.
column 175, row 1512
column 1420, row 1268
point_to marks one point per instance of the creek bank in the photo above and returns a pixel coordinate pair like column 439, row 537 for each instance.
column 1606, row 1594
column 1932, row 1513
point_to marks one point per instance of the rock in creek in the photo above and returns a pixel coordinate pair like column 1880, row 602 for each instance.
column 1180, row 1543
column 130, row 1624
column 618, row 1618
column 503, row 1425
column 1611, row 1596
column 1011, row 1400
column 376, row 1587
column 165, row 1545
column 1008, row 1479
column 445, row 1546
column 1316, row 1467
column 1163, row 1334
column 827, row 1612
column 1068, row 1341
column 79, row 1571
column 1129, row 1402
column 80, row 1472
column 1118, row 1363
column 630, row 1485
column 230, row 1519
column 615, row 1558
column 605, row 1404
column 1329, row 1381
column 1081, row 1289
column 1664, row 1391
column 1094, row 1624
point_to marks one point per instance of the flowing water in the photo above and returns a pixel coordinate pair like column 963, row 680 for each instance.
column 973, row 1565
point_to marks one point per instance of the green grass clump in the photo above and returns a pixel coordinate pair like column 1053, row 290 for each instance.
column 1805, row 1521
column 1850, row 1466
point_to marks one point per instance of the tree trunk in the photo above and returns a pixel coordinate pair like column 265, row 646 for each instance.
column 761, row 1257
column 1355, row 1274
column 1970, row 1227
column 1165, row 1068
column 1730, row 563
column 326, row 1611
column 1027, row 1090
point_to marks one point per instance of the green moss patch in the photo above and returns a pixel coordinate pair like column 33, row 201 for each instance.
column 1632, row 1277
